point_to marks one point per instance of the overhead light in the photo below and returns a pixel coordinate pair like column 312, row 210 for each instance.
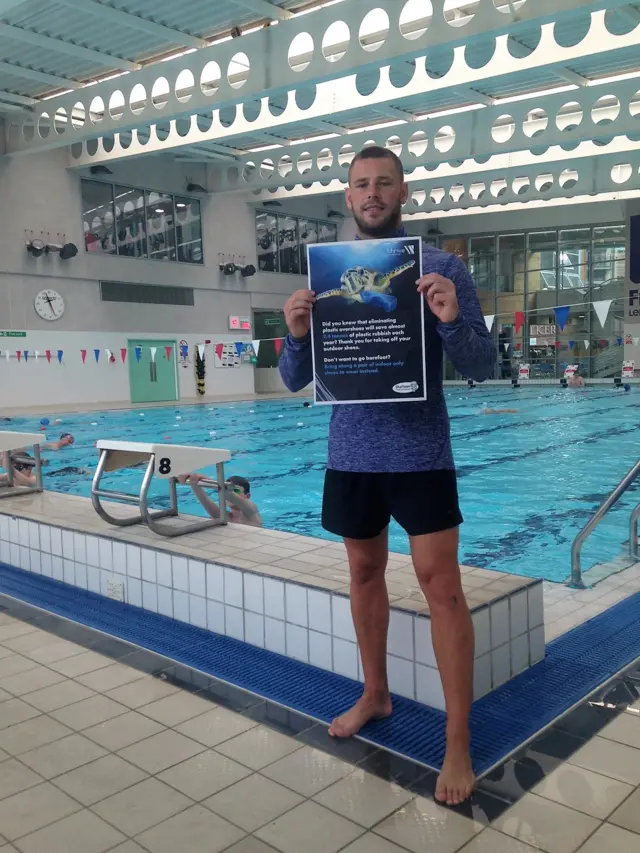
column 180, row 204
column 159, row 209
column 100, row 170
column 247, row 271
column 36, row 247
column 65, row 250
column 272, row 203
column 195, row 188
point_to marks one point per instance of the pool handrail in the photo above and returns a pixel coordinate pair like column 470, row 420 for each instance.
column 629, row 478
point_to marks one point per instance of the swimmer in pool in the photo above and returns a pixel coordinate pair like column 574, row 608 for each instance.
column 22, row 469
column 487, row 411
column 241, row 510
column 65, row 440
column 575, row 381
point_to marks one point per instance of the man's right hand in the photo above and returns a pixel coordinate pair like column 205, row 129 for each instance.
column 297, row 312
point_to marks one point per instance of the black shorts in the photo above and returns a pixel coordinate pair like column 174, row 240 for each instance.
column 360, row 506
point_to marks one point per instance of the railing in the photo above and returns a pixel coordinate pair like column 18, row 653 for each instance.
column 576, row 549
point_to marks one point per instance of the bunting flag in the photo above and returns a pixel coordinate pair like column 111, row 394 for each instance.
column 572, row 344
column 201, row 349
column 506, row 347
column 60, row 356
column 138, row 352
column 109, row 354
column 619, row 341
column 8, row 355
column 489, row 321
column 602, row 310
column 603, row 343
column 18, row 355
column 519, row 318
column 636, row 342
column 48, row 355
column 239, row 347
column 558, row 345
column 562, row 315
column 256, row 346
column 36, row 354
column 167, row 353
column 586, row 344
column 83, row 353
column 219, row 350
column 26, row 355
column 123, row 354
column 96, row 354
column 152, row 352
column 278, row 345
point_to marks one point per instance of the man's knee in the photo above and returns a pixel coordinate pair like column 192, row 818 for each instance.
column 441, row 586
column 364, row 568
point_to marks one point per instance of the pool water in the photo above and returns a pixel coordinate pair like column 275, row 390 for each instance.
column 528, row 481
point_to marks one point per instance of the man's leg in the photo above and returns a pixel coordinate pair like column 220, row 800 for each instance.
column 370, row 609
column 435, row 559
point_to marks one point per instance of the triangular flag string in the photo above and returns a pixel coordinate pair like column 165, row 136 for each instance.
column 278, row 345
column 489, row 321
column 152, row 352
column 256, row 346
column 602, row 310
column 519, row 318
column 123, row 354
column 48, row 355
column 562, row 315
column 167, row 352
column 96, row 355
column 18, row 355
column 201, row 350
column 138, row 352
column 586, row 344
column 83, row 353
column 26, row 355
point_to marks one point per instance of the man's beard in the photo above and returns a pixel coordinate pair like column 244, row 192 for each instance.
column 386, row 228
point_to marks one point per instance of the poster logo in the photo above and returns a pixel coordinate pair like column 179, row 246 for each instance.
column 406, row 387
column 634, row 303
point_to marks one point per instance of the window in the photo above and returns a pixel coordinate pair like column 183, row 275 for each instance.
column 282, row 240
column 98, row 218
column 137, row 223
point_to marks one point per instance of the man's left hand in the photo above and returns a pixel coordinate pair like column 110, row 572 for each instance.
column 440, row 294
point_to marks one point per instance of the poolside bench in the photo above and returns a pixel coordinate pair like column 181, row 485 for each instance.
column 167, row 462
column 12, row 441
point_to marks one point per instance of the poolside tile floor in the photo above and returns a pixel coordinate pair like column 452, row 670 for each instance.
column 180, row 771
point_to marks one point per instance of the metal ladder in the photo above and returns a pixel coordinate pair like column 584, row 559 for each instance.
column 576, row 549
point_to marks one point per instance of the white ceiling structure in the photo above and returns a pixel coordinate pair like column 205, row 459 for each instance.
column 488, row 102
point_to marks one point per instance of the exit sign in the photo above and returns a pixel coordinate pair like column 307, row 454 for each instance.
column 13, row 334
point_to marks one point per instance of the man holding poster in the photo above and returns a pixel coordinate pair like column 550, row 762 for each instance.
column 388, row 460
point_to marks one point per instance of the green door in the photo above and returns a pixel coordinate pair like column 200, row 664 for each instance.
column 152, row 380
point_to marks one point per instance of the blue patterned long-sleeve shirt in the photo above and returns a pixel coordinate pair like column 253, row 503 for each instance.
column 389, row 437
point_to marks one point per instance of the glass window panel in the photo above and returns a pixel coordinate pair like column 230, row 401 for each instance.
column 610, row 233
column 542, row 250
column 510, row 263
column 189, row 230
column 458, row 246
column 308, row 234
column 267, row 236
column 327, row 232
column 131, row 228
column 574, row 278
column 288, row 244
column 268, row 325
column 161, row 227
column 575, row 235
column 98, row 218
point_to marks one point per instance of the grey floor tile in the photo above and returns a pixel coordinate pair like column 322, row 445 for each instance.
column 424, row 825
column 363, row 798
column 31, row 734
column 58, row 695
column 82, row 831
column 611, row 839
column 33, row 679
column 161, row 751
column 142, row 692
column 625, row 728
column 546, row 825
column 90, row 712
column 311, row 828
column 32, row 809
column 583, row 790
column 308, row 771
column 137, row 809
column 370, row 843
column 4, row 695
column 216, row 726
column 204, row 774
column 28, row 642
column 15, row 777
column 610, row 759
column 63, row 755
column 253, row 802
column 191, row 831
column 123, row 730
column 628, row 815
column 17, row 629
column 81, row 664
column 175, row 709
column 14, row 711
column 258, row 747
column 491, row 841
column 100, row 779
column 14, row 664
column 128, row 847
column 250, row 844
column 55, row 651
column 109, row 677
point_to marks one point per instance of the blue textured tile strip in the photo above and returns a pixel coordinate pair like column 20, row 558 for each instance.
column 576, row 664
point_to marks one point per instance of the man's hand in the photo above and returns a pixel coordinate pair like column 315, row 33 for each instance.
column 440, row 294
column 297, row 312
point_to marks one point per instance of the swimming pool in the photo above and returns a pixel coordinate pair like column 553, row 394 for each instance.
column 528, row 481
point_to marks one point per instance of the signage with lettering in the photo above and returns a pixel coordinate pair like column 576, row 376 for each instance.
column 13, row 334
column 548, row 331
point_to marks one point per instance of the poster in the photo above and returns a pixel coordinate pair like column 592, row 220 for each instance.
column 367, row 326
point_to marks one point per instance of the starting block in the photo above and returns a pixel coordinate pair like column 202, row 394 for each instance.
column 167, row 462
column 10, row 442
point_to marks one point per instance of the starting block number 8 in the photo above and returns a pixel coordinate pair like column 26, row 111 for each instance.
column 165, row 465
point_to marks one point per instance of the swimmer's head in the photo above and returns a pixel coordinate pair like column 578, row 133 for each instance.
column 241, row 486
column 66, row 439
column 627, row 388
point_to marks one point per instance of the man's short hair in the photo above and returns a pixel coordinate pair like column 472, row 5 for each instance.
column 377, row 152
column 242, row 482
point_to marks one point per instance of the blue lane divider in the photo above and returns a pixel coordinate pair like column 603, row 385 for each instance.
column 576, row 664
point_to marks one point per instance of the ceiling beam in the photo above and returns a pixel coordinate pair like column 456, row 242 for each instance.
column 59, row 46
column 327, row 126
column 521, row 51
column 394, row 112
column 39, row 76
column 9, row 5
column 265, row 9
column 125, row 19
column 630, row 13
column 18, row 99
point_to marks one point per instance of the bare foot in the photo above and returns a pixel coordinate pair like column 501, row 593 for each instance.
column 355, row 718
column 457, row 780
